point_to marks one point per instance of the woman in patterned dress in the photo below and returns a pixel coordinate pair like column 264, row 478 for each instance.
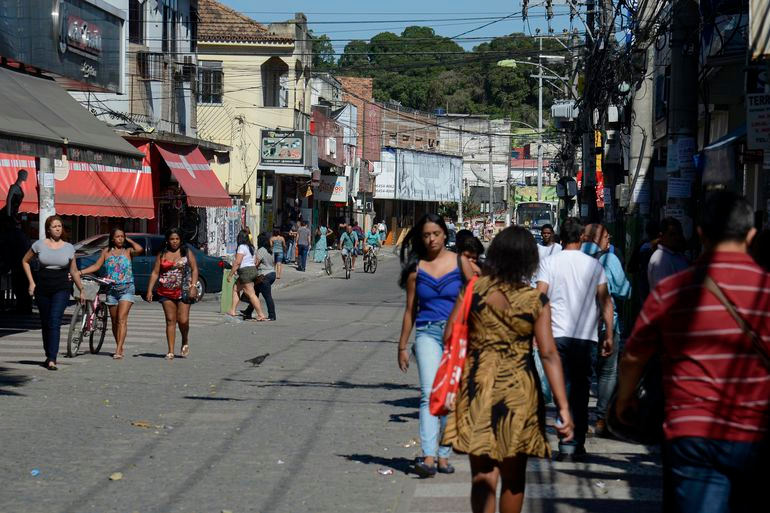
column 169, row 273
column 499, row 416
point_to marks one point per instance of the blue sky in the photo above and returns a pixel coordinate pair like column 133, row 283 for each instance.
column 448, row 17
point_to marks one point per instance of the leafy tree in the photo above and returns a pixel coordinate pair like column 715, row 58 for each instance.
column 323, row 53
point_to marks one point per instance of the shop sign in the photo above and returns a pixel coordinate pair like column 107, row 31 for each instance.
column 758, row 120
column 283, row 147
column 72, row 39
column 332, row 188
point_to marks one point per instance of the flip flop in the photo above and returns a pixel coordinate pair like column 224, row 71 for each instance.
column 169, row 356
column 117, row 356
column 185, row 350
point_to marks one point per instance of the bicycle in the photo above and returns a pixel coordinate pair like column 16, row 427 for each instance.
column 328, row 264
column 370, row 260
column 89, row 318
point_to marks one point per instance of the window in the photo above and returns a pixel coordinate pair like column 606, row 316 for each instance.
column 210, row 78
column 136, row 21
column 169, row 30
column 275, row 83
column 150, row 65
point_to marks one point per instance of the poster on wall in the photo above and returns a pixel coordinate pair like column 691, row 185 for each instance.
column 283, row 147
column 385, row 170
column 428, row 176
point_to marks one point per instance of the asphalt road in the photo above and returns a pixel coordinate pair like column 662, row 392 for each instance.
column 326, row 423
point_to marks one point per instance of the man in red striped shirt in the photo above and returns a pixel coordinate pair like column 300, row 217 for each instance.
column 717, row 388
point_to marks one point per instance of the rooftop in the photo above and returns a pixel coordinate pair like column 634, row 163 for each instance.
column 221, row 24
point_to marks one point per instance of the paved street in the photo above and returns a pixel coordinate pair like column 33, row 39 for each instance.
column 308, row 430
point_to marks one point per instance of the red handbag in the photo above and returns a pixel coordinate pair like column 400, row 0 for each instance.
column 450, row 369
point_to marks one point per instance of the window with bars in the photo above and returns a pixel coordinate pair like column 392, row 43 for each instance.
column 150, row 65
column 136, row 21
column 210, row 81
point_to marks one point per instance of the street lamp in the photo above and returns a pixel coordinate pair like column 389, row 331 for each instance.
column 512, row 63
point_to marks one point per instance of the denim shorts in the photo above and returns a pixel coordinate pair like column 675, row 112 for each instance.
column 118, row 293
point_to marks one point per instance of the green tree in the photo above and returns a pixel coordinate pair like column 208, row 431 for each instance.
column 323, row 53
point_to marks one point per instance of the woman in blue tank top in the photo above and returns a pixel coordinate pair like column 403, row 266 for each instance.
column 432, row 277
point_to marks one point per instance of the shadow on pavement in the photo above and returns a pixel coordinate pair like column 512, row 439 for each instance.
column 398, row 464
column 320, row 384
column 406, row 402
column 10, row 380
column 224, row 399
column 149, row 355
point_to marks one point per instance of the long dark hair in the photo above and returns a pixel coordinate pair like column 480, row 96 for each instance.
column 512, row 257
column 182, row 247
column 243, row 239
column 263, row 241
column 413, row 249
column 115, row 229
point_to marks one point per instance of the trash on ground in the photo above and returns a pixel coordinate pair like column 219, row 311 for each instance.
column 600, row 484
column 116, row 476
column 281, row 462
column 411, row 443
column 35, row 472
column 143, row 424
column 385, row 471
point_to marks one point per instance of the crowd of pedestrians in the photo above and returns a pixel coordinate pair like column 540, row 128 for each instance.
column 704, row 326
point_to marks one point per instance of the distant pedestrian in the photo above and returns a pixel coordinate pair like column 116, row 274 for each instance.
column 50, row 286
column 321, row 245
column 176, row 273
column 361, row 236
column 596, row 244
column 278, row 246
column 577, row 289
column 499, row 415
column 640, row 260
column 716, row 381
column 117, row 260
column 304, row 241
column 471, row 248
column 245, row 267
column 476, row 230
column 549, row 245
column 290, row 235
column 432, row 279
column 14, row 244
column 265, row 269
column 382, row 228
column 668, row 257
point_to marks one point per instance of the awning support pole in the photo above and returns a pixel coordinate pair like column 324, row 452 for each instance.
column 46, row 181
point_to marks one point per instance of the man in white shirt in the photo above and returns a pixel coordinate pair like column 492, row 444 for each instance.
column 667, row 258
column 576, row 286
column 549, row 246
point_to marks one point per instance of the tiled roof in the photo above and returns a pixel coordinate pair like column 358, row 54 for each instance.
column 219, row 23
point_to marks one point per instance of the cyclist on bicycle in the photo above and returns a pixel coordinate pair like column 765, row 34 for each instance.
column 372, row 240
column 348, row 245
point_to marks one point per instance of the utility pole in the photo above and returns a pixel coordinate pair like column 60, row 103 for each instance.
column 491, row 177
column 683, row 120
column 462, row 173
column 46, row 181
column 588, row 192
column 540, row 123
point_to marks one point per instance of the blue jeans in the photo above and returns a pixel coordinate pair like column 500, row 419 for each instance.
column 428, row 348
column 606, row 373
column 302, row 257
column 51, row 307
column 576, row 361
column 289, row 255
column 701, row 475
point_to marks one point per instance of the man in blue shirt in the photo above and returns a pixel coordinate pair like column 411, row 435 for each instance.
column 372, row 240
column 596, row 242
column 348, row 246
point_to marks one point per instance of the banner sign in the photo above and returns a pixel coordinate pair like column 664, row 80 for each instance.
column 283, row 147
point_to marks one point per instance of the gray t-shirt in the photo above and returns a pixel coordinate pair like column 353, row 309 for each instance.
column 53, row 258
column 303, row 236
column 265, row 262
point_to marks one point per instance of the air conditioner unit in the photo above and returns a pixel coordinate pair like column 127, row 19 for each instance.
column 331, row 146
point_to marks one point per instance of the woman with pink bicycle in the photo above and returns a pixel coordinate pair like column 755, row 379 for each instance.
column 116, row 260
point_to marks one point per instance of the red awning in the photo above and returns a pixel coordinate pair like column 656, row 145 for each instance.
column 9, row 168
column 106, row 191
column 192, row 171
